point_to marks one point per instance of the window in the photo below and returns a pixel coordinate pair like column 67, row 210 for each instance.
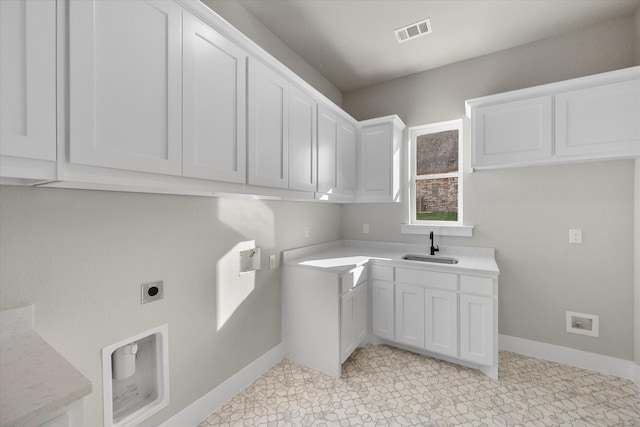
column 436, row 181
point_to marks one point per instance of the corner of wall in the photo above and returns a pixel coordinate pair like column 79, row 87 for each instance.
column 241, row 18
column 638, row 36
column 636, row 249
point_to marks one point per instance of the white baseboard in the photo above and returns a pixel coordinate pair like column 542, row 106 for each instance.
column 193, row 414
column 580, row 359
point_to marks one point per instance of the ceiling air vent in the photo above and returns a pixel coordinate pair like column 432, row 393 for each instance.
column 412, row 31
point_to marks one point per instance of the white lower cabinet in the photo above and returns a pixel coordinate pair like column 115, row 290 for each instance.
column 382, row 313
column 444, row 313
column 410, row 314
column 353, row 320
column 477, row 329
column 441, row 322
column 324, row 316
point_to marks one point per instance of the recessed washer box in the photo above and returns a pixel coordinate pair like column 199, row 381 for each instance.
column 584, row 324
column 134, row 394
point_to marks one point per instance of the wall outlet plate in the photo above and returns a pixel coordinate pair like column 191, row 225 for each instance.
column 152, row 291
column 583, row 324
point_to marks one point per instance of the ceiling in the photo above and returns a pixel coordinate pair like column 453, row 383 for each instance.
column 352, row 44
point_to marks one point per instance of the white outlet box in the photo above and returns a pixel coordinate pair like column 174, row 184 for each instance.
column 365, row 228
column 575, row 236
column 582, row 323
column 272, row 262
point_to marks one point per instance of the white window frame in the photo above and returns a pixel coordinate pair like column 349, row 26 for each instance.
column 415, row 226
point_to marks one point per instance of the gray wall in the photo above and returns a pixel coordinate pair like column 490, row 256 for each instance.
column 637, row 225
column 637, row 263
column 237, row 15
column 80, row 257
column 526, row 213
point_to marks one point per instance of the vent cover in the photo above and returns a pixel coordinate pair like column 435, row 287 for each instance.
column 412, row 31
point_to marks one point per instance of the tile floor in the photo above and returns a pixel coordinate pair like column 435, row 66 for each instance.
column 386, row 386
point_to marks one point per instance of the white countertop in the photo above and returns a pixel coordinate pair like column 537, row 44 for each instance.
column 35, row 380
column 343, row 255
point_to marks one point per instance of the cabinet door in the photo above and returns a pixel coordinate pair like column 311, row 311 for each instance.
column 410, row 314
column 476, row 329
column 361, row 314
column 125, row 103
column 376, row 144
column 382, row 315
column 599, row 120
column 327, row 144
column 214, row 98
column 302, row 140
column 268, row 124
column 441, row 322
column 28, row 79
column 347, row 324
column 512, row 133
column 346, row 162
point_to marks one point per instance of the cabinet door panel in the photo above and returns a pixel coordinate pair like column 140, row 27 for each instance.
column 214, row 138
column 476, row 329
column 604, row 119
column 441, row 322
column 382, row 305
column 347, row 324
column 327, row 144
column 302, row 140
column 126, row 85
column 346, row 163
column 513, row 132
column 268, row 123
column 28, row 79
column 376, row 145
column 362, row 302
column 410, row 314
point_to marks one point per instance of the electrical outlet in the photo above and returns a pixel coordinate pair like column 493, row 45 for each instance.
column 365, row 228
column 575, row 236
column 306, row 232
column 272, row 262
column 153, row 291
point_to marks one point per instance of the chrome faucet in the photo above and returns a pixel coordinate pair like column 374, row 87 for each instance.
column 433, row 249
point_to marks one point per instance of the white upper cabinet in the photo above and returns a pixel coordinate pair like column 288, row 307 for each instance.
column 28, row 79
column 268, row 148
column 125, row 77
column 347, row 149
column 380, row 159
column 593, row 117
column 337, row 148
column 513, row 132
column 214, row 102
column 600, row 119
column 302, row 140
column 327, row 143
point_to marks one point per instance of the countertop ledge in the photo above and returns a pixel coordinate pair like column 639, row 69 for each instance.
column 341, row 256
column 35, row 380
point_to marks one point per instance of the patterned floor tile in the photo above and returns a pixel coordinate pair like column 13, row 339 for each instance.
column 386, row 386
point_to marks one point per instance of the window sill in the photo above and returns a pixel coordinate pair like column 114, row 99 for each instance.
column 439, row 230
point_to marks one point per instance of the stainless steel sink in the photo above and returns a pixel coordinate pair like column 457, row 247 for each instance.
column 427, row 258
